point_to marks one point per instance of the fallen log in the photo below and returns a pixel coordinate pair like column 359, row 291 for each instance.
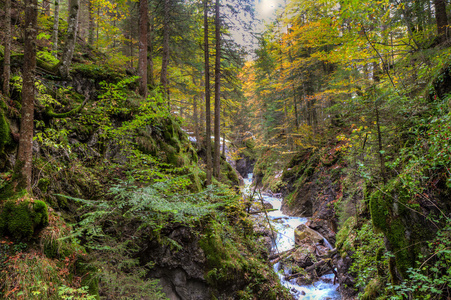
column 309, row 269
column 274, row 258
column 262, row 211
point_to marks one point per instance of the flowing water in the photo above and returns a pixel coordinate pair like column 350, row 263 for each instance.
column 284, row 226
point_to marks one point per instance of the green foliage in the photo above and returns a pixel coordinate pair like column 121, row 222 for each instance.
column 70, row 293
column 154, row 206
column 140, row 211
column 233, row 261
column 368, row 264
column 388, row 208
column 432, row 279
column 97, row 71
column 47, row 56
column 20, row 218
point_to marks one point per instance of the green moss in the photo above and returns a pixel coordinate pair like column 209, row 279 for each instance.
column 97, row 71
column 228, row 174
column 379, row 210
column 5, row 135
column 43, row 184
column 390, row 215
column 372, row 290
column 21, row 218
column 345, row 238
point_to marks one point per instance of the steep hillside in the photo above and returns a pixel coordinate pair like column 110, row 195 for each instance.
column 119, row 206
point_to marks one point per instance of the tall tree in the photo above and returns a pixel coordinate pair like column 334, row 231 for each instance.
column 91, row 23
column 150, row 64
column 165, row 56
column 217, row 129
column 142, row 65
column 7, row 55
column 207, row 94
column 25, row 151
column 441, row 18
column 71, row 37
column 55, row 28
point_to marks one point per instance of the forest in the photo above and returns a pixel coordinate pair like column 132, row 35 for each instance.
column 169, row 149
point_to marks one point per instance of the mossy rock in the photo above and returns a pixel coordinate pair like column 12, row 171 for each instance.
column 5, row 132
column 372, row 290
column 345, row 238
column 403, row 229
column 21, row 218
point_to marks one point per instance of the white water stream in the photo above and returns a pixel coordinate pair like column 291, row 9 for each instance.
column 323, row 289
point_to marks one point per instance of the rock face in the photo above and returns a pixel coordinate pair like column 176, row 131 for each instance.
column 180, row 271
column 347, row 281
column 245, row 166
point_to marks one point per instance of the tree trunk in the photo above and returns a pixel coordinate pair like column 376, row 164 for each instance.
column 217, row 129
column 71, row 37
column 25, row 151
column 165, row 55
column 56, row 22
column 441, row 18
column 142, row 66
column 7, row 56
column 293, row 88
column 130, row 43
column 195, row 117
column 207, row 94
column 150, row 65
column 91, row 24
column 379, row 141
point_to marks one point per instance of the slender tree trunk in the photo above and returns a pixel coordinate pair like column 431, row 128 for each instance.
column 142, row 67
column 56, row 22
column 131, row 42
column 165, row 55
column 294, row 94
column 91, row 24
column 150, row 65
column 379, row 140
column 223, row 133
column 207, row 94
column 25, row 151
column 7, row 54
column 202, row 100
column 441, row 18
column 195, row 117
column 71, row 37
column 217, row 129
column 97, row 28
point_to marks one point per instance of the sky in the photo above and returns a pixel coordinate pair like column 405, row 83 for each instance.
column 265, row 13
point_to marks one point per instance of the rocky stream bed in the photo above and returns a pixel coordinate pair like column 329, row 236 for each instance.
column 301, row 256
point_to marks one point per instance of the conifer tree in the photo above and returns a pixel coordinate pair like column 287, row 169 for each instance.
column 25, row 151
column 7, row 54
column 207, row 94
column 142, row 66
column 217, row 130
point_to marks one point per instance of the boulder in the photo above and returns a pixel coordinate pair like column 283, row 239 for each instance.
column 303, row 232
